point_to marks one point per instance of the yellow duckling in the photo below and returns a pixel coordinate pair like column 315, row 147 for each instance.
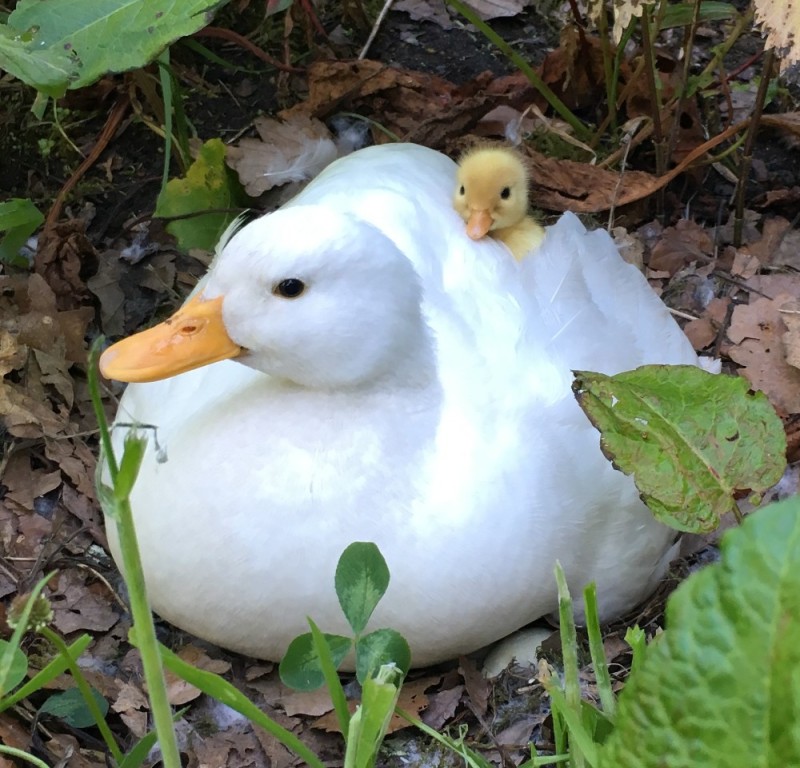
column 492, row 197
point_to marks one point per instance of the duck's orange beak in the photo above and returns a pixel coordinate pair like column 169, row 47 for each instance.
column 194, row 336
column 478, row 224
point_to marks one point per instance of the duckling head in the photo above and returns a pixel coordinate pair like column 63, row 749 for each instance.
column 326, row 306
column 491, row 190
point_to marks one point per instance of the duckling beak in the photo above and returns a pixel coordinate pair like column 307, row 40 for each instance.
column 194, row 336
column 479, row 224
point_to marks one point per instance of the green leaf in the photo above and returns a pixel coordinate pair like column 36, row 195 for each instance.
column 208, row 185
column 369, row 723
column 16, row 662
column 19, row 219
column 56, row 667
column 106, row 35
column 689, row 438
column 71, row 707
column 223, row 691
column 721, row 686
column 682, row 14
column 140, row 751
column 132, row 456
column 329, row 666
column 276, row 6
column 49, row 70
column 362, row 577
column 300, row 668
column 379, row 648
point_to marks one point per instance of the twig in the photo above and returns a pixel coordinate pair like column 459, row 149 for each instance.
column 750, row 139
column 109, row 129
column 375, row 27
column 219, row 33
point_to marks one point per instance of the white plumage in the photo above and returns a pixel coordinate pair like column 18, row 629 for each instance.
column 417, row 395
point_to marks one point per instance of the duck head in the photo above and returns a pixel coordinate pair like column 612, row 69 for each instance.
column 305, row 294
column 491, row 190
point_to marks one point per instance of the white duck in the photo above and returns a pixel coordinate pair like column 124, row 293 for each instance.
column 393, row 382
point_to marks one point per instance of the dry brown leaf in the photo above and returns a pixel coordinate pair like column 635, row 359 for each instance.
column 756, row 331
column 308, row 703
column 68, row 752
column 66, row 259
column 442, row 706
column 679, row 246
column 132, row 706
column 478, row 687
column 179, row 691
column 776, row 283
column 413, row 105
column 700, row 332
column 25, row 483
column 78, row 604
column 412, row 699
column 496, row 9
column 13, row 734
column 790, row 312
column 566, row 185
column 745, row 264
column 426, row 10
column 780, row 19
column 295, row 149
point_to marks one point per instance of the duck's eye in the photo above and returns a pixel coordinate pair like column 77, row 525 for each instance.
column 506, row 193
column 461, row 191
column 289, row 289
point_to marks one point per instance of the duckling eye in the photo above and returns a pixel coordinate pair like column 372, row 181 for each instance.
column 506, row 193
column 289, row 289
column 461, row 191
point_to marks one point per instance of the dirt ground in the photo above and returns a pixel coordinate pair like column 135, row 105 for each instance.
column 106, row 266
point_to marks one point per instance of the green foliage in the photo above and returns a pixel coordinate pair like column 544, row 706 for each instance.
column 209, row 185
column 681, row 14
column 301, row 667
column 369, row 724
column 221, row 690
column 362, row 578
column 72, row 43
column 18, row 219
column 15, row 663
column 49, row 70
column 71, row 707
column 689, row 438
column 721, row 687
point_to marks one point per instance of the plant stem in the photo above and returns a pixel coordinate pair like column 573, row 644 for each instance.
column 143, row 630
column 86, row 692
column 582, row 132
column 18, row 753
column 609, row 67
column 597, row 651
column 750, row 139
column 650, row 69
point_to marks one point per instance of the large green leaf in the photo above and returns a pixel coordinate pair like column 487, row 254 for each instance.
column 378, row 649
column 104, row 35
column 362, row 578
column 208, row 185
column 300, row 668
column 721, row 687
column 71, row 707
column 689, row 438
column 17, row 664
column 19, row 219
column 49, row 70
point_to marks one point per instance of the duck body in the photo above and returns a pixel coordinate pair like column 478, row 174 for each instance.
column 422, row 402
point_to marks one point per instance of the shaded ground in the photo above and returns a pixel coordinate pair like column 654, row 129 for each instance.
column 86, row 283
